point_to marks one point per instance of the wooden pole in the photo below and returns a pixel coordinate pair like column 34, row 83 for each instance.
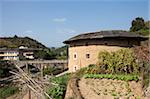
column 27, row 67
column 42, row 97
column 29, row 94
column 41, row 71
column 28, row 71
column 30, row 83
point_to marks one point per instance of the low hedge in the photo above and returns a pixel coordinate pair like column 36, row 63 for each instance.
column 111, row 76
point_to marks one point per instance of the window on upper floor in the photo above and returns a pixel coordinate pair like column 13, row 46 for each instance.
column 75, row 56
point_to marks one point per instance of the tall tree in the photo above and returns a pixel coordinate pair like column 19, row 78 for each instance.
column 15, row 36
column 137, row 24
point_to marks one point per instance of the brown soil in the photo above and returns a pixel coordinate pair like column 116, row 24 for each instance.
column 109, row 89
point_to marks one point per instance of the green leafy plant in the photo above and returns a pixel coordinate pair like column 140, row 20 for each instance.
column 58, row 91
column 112, row 76
column 121, row 61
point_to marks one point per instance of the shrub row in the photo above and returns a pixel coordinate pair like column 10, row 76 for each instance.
column 111, row 76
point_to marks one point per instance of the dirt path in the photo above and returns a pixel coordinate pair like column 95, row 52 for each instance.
column 33, row 96
column 63, row 73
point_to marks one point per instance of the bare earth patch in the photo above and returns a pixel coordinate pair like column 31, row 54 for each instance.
column 109, row 89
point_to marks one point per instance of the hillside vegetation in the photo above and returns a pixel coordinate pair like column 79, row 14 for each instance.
column 52, row 53
column 46, row 53
column 15, row 42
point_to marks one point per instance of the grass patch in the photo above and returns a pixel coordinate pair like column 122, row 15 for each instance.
column 111, row 76
column 114, row 94
column 7, row 91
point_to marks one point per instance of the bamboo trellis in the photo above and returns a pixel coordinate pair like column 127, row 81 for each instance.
column 34, row 85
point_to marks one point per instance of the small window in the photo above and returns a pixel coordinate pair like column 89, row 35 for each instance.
column 87, row 55
column 75, row 55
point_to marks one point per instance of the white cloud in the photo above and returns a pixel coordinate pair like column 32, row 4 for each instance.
column 28, row 31
column 65, row 30
column 59, row 19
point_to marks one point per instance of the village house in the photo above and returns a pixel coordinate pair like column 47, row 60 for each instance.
column 84, row 48
column 14, row 54
column 9, row 54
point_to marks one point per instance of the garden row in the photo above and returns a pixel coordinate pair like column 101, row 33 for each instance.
column 111, row 76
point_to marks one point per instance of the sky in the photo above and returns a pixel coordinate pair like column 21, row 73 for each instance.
column 53, row 21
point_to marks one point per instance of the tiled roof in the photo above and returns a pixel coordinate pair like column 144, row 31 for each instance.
column 105, row 34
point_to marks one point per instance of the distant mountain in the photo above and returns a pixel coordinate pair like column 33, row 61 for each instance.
column 15, row 42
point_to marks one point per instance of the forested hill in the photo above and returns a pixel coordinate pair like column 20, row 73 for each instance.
column 15, row 42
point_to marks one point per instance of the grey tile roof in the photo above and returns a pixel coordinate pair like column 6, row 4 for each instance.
column 104, row 34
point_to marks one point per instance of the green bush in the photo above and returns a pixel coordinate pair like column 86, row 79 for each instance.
column 146, row 74
column 94, row 69
column 111, row 76
column 52, row 71
column 58, row 91
column 5, row 67
column 79, row 73
column 7, row 91
column 121, row 61
column 144, row 32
